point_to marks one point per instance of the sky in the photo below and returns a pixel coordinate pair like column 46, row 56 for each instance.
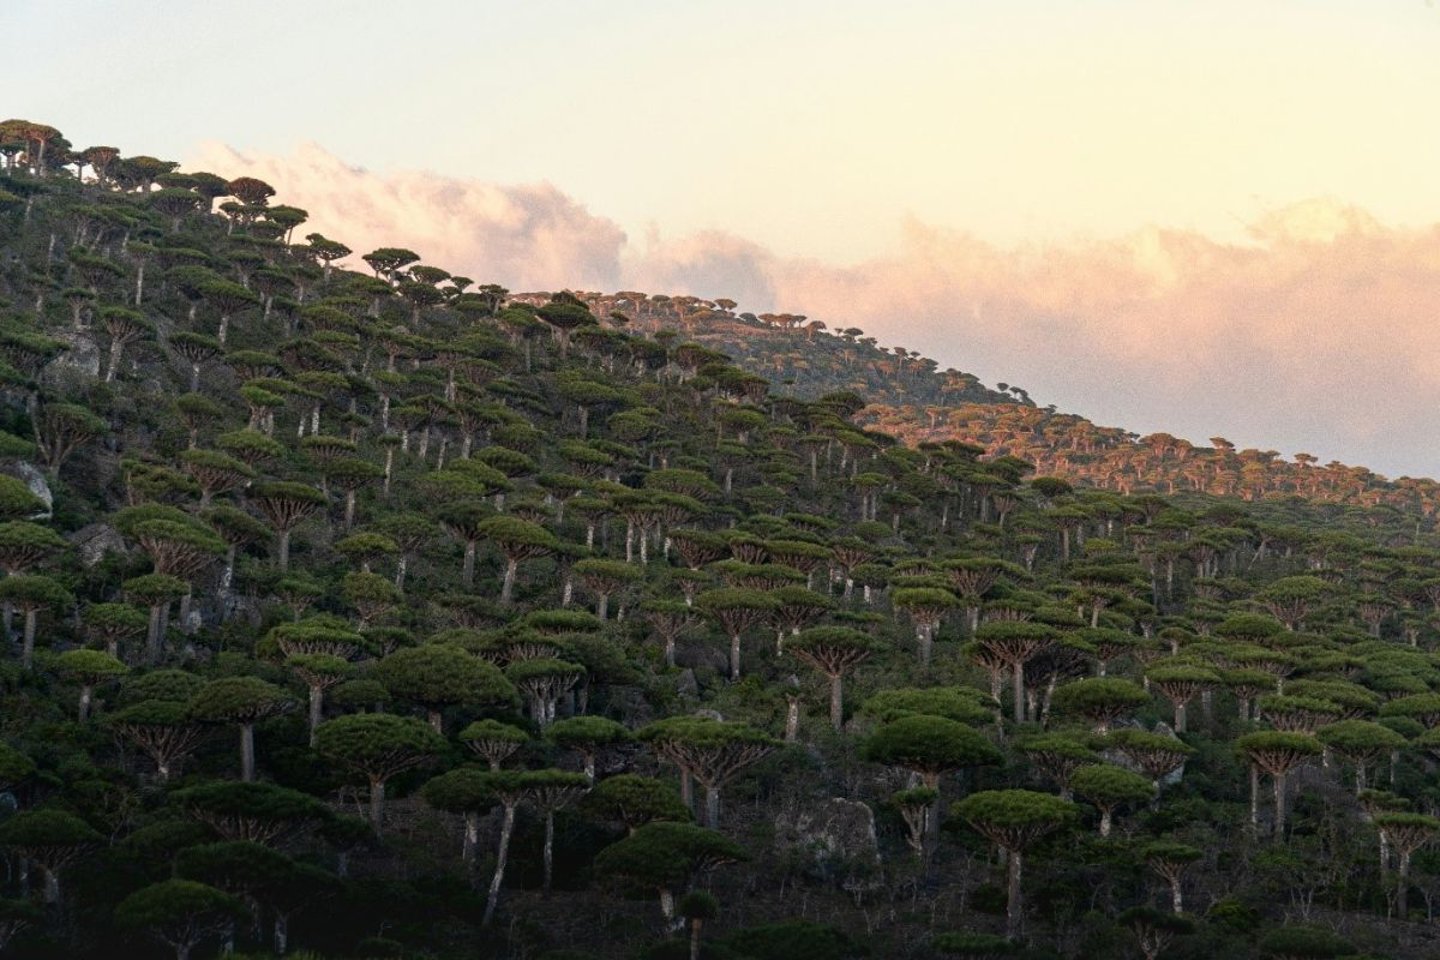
column 1211, row 219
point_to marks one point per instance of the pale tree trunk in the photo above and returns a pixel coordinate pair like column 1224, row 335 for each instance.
column 281, row 937
column 377, row 805
column 1279, row 805
column 472, row 834
column 507, row 589
column 837, row 702
column 116, row 348
column 317, row 707
column 1015, row 905
column 549, row 850
column 247, row 752
column 507, row 826
column 27, row 648
column 712, row 807
column 1254, row 797
column 467, row 568
column 1402, row 884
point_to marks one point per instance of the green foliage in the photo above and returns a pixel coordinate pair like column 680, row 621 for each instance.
column 929, row 745
column 1303, row 943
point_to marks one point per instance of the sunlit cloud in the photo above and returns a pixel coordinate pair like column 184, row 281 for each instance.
column 1316, row 332
column 524, row 236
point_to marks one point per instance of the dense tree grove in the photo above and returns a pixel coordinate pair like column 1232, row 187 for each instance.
column 375, row 612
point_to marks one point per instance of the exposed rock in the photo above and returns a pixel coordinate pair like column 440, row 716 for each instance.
column 83, row 357
column 96, row 540
column 832, row 839
column 34, row 478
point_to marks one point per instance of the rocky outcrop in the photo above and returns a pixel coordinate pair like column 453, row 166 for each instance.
column 96, row 540
column 832, row 839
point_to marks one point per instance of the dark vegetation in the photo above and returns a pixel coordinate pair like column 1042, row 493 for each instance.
column 379, row 614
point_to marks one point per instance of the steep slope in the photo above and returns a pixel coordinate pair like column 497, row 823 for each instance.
column 379, row 614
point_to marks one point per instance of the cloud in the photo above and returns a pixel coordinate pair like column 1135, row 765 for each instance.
column 526, row 237
column 1319, row 335
column 1319, row 332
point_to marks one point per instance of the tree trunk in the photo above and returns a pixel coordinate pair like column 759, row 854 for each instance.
column 1015, row 906
column 1279, row 806
column 117, row 346
column 27, row 649
column 1402, row 884
column 837, row 702
column 1254, row 797
column 377, row 805
column 712, row 806
column 317, row 708
column 735, row 658
column 472, row 834
column 1017, row 684
column 284, row 558
column 695, row 925
column 549, row 850
column 185, row 602
column 247, row 752
column 86, row 692
column 1175, row 899
column 507, row 826
column 1105, row 821
column 507, row 589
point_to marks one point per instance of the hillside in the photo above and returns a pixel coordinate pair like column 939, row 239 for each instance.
column 909, row 398
column 377, row 613
column 800, row 356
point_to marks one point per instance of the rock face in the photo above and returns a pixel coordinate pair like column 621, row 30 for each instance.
column 686, row 686
column 34, row 478
column 833, row 839
column 83, row 357
column 93, row 542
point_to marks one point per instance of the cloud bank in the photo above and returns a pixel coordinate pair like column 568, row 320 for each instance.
column 1320, row 333
column 527, row 236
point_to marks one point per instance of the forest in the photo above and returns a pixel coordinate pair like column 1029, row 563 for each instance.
column 356, row 609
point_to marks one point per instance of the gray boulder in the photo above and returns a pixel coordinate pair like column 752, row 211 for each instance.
column 831, row 839
column 96, row 540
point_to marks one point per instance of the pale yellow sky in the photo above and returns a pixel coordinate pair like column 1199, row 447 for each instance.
column 1200, row 216
column 812, row 127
